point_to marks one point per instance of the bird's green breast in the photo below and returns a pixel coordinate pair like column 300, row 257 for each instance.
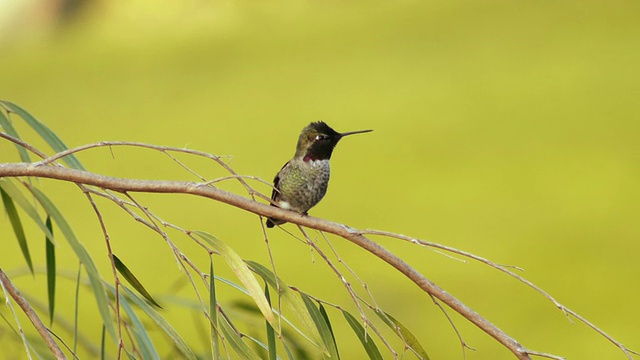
column 303, row 184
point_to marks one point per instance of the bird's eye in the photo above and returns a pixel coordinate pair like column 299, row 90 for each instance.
column 320, row 137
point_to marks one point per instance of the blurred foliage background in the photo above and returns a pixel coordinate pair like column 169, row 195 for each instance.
column 504, row 128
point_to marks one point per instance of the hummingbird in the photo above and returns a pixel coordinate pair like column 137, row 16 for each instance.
column 302, row 182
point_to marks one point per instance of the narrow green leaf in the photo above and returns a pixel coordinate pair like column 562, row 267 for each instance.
column 292, row 301
column 9, row 129
column 322, row 326
column 242, row 349
column 197, row 306
column 16, row 224
column 324, row 314
column 288, row 351
column 50, row 251
column 133, row 280
column 365, row 340
column 47, row 135
column 17, row 196
column 181, row 345
column 76, row 309
column 404, row 333
column 213, row 312
column 145, row 345
column 94, row 276
column 243, row 273
column 103, row 345
column 271, row 336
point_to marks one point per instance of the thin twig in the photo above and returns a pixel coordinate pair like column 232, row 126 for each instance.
column 505, row 270
column 157, row 186
column 375, row 307
column 366, row 323
column 181, row 258
column 164, row 149
column 12, row 291
column 364, row 285
column 275, row 276
column 355, row 236
column 75, row 356
column 19, row 331
column 114, row 271
column 463, row 343
column 60, row 321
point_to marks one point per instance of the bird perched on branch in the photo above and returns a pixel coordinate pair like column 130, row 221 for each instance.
column 302, row 182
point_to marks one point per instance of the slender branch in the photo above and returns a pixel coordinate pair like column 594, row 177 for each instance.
column 114, row 271
column 22, row 143
column 45, row 169
column 356, row 300
column 19, row 330
column 163, row 149
column 463, row 343
column 272, row 262
column 364, row 285
column 73, row 353
column 505, row 269
column 31, row 314
column 61, row 322
column 163, row 186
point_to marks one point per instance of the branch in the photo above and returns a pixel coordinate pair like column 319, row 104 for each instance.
column 31, row 314
column 504, row 269
column 203, row 190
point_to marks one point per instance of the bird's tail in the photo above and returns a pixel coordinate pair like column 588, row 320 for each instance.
column 271, row 222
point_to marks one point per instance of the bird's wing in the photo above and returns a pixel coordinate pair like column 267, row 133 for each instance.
column 276, row 188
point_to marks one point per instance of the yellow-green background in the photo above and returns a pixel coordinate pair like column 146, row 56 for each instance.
column 508, row 129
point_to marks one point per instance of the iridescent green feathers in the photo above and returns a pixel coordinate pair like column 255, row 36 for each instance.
column 302, row 182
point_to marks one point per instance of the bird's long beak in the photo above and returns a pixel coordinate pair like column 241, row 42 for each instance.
column 354, row 132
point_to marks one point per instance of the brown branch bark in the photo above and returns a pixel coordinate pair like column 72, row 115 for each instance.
column 33, row 317
column 200, row 189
